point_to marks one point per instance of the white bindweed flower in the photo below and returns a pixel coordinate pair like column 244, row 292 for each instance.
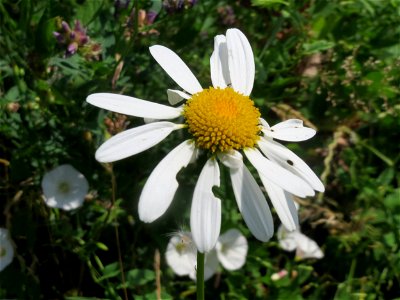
column 295, row 240
column 222, row 121
column 181, row 253
column 6, row 249
column 64, row 187
column 230, row 251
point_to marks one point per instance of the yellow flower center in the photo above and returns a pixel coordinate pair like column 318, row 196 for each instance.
column 63, row 187
column 222, row 119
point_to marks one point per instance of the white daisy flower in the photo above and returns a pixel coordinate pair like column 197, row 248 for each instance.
column 295, row 240
column 230, row 251
column 6, row 249
column 223, row 122
column 64, row 187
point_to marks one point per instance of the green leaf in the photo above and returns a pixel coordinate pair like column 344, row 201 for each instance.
column 342, row 292
column 88, row 10
column 153, row 295
column 110, row 271
column 392, row 201
column 84, row 298
column 45, row 40
column 317, row 46
column 12, row 94
column 137, row 277
column 267, row 3
column 386, row 176
column 304, row 273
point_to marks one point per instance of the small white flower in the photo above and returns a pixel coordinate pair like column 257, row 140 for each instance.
column 230, row 251
column 181, row 254
column 223, row 121
column 295, row 240
column 64, row 187
column 279, row 275
column 6, row 249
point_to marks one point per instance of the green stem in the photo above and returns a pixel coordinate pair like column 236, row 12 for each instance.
column 121, row 265
column 200, row 276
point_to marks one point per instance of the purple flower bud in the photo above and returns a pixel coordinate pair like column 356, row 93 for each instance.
column 72, row 48
column 151, row 16
column 65, row 26
column 83, row 39
column 59, row 37
column 79, row 28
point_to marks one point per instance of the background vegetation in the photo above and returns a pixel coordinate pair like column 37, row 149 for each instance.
column 335, row 64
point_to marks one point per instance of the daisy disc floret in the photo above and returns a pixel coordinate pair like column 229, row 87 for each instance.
column 223, row 122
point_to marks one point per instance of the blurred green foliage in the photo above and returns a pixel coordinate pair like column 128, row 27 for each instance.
column 335, row 64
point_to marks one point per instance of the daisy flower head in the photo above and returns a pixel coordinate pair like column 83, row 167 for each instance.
column 224, row 123
column 64, row 187
column 230, row 251
column 6, row 249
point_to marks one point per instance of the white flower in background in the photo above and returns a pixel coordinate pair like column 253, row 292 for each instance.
column 6, row 249
column 223, row 121
column 295, row 240
column 230, row 251
column 279, row 275
column 64, row 187
column 181, row 253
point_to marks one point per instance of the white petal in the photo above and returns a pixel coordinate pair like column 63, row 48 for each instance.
column 133, row 106
column 287, row 240
column 264, row 123
column 175, row 96
column 180, row 256
column 219, row 63
column 290, row 161
column 283, row 203
column 291, row 123
column 232, row 249
column 307, row 248
column 252, row 203
column 6, row 248
column 161, row 186
column 148, row 120
column 133, row 141
column 278, row 175
column 291, row 130
column 241, row 61
column 205, row 214
column 210, row 265
column 176, row 68
column 231, row 159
